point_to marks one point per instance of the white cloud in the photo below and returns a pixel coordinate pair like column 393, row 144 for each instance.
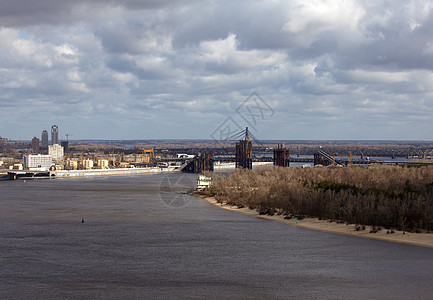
column 218, row 51
column 226, row 53
column 307, row 20
column 375, row 77
column 150, row 64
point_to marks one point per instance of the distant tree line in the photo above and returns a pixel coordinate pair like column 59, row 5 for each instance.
column 388, row 196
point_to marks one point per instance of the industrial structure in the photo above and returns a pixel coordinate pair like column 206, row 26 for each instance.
column 281, row 156
column 147, row 156
column 244, row 152
column 65, row 144
column 200, row 163
column 324, row 159
column 343, row 155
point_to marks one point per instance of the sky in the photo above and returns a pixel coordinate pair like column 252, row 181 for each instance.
column 162, row 69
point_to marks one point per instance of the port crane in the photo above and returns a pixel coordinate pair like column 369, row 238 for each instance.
column 147, row 156
column 350, row 155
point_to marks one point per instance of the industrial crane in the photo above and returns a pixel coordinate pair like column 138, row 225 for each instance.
column 147, row 156
column 343, row 155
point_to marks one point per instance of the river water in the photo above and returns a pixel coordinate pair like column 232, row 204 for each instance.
column 143, row 238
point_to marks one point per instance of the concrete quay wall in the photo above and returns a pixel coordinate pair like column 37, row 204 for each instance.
column 106, row 172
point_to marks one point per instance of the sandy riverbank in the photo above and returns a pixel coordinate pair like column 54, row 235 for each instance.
column 419, row 239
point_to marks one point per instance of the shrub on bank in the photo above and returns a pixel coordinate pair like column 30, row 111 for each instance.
column 387, row 196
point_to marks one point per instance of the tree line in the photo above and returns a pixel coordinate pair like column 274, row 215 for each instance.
column 389, row 196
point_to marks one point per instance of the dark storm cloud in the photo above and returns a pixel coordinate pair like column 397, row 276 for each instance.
column 257, row 24
column 28, row 12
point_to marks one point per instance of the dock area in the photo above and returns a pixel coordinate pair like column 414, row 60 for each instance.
column 25, row 174
column 108, row 172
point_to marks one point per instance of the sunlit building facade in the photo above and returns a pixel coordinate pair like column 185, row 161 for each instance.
column 87, row 164
column 38, row 161
column 102, row 164
column 56, row 151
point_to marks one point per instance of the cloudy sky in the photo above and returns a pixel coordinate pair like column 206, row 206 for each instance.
column 142, row 69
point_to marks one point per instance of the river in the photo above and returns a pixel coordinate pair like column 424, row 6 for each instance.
column 143, row 238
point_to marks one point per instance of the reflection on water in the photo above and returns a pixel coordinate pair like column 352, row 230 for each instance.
column 133, row 245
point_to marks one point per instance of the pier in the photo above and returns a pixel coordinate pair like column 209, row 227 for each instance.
column 18, row 174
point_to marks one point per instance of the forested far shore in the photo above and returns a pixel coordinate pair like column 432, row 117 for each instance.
column 379, row 196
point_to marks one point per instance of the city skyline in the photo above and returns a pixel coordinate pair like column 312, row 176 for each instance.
column 327, row 70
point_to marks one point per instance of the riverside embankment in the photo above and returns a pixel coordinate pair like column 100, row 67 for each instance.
column 396, row 236
column 108, row 172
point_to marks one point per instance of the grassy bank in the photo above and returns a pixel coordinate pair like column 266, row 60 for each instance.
column 379, row 196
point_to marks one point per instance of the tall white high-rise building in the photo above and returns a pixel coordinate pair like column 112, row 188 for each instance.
column 56, row 151
column 54, row 134
column 44, row 139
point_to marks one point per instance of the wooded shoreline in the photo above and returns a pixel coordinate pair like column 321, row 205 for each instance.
column 386, row 198
column 418, row 239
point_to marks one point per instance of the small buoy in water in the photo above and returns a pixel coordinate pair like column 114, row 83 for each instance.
column 82, row 220
column 24, row 181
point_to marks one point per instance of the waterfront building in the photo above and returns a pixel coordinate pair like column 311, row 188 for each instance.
column 17, row 167
column 54, row 134
column 87, row 164
column 35, row 145
column 56, row 151
column 102, row 164
column 38, row 161
column 71, row 165
column 44, row 139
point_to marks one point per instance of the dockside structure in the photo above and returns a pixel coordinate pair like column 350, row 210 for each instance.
column 281, row 156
